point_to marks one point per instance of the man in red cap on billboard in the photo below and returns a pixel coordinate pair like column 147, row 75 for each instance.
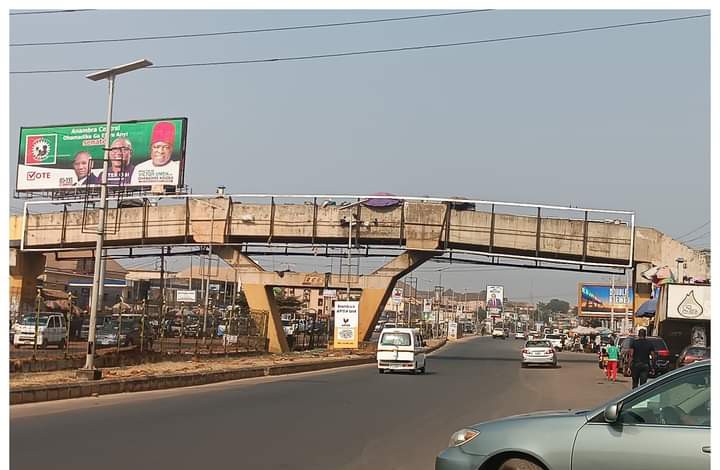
column 160, row 169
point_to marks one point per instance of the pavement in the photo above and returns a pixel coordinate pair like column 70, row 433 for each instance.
column 349, row 418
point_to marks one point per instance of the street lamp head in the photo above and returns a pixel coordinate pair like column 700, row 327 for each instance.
column 119, row 70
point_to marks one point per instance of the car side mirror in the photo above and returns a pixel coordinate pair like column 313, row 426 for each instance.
column 612, row 413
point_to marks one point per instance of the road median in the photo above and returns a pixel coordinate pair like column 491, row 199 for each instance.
column 75, row 389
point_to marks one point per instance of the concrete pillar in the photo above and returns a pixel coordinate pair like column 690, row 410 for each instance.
column 376, row 288
column 261, row 297
column 372, row 303
column 25, row 267
column 373, row 299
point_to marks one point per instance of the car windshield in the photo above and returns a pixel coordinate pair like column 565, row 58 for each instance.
column 537, row 344
column 552, row 336
column 30, row 320
column 395, row 339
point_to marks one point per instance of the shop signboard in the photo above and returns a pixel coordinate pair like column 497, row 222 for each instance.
column 187, row 296
column 688, row 302
column 70, row 157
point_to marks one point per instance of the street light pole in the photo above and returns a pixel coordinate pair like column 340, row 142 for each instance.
column 89, row 371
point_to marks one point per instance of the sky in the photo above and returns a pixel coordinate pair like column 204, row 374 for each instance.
column 611, row 119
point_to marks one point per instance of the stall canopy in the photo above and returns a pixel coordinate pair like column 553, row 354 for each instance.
column 647, row 309
column 584, row 330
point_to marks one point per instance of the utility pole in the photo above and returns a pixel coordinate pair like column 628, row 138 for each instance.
column 612, row 303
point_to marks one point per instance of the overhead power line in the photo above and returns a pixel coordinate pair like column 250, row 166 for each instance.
column 378, row 51
column 248, row 31
column 46, row 12
column 699, row 237
column 692, row 231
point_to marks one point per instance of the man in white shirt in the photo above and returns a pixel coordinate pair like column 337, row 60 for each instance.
column 160, row 169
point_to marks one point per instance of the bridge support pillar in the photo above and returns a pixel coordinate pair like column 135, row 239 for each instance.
column 373, row 299
column 25, row 267
column 261, row 297
column 376, row 288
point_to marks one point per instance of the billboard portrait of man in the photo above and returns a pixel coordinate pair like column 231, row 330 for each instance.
column 82, row 164
column 120, row 170
column 494, row 302
column 160, row 168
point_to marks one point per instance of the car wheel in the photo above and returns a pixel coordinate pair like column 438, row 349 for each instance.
column 523, row 365
column 422, row 369
column 519, row 464
column 381, row 371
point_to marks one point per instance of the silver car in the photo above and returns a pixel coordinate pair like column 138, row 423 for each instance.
column 663, row 425
column 538, row 351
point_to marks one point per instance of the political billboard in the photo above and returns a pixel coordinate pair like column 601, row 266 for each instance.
column 494, row 296
column 602, row 299
column 70, row 157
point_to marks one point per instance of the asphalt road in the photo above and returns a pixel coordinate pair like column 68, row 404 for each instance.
column 351, row 418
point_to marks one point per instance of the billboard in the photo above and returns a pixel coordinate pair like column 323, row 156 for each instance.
column 601, row 299
column 494, row 296
column 70, row 157
column 346, row 324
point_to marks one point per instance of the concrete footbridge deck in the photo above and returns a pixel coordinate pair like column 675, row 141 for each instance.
column 419, row 228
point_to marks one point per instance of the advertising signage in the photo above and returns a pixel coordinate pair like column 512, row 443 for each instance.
column 601, row 299
column 70, row 157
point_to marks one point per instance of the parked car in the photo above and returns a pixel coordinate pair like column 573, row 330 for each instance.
column 130, row 334
column 401, row 349
column 51, row 330
column 662, row 355
column 692, row 354
column 100, row 321
column 538, row 352
column 662, row 425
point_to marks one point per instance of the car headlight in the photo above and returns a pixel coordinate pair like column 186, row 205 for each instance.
column 463, row 436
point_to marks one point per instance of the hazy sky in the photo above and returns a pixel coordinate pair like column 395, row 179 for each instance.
column 613, row 119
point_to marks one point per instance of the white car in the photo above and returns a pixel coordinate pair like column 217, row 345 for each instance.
column 555, row 340
column 51, row 330
column 520, row 335
column 498, row 333
column 538, row 352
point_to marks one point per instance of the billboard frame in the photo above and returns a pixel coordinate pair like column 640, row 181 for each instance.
column 89, row 191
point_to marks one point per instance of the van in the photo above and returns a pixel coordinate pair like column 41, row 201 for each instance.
column 401, row 349
column 51, row 331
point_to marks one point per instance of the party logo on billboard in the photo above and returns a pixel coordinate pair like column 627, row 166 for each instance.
column 41, row 149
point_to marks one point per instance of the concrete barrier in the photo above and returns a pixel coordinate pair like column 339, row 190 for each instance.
column 38, row 393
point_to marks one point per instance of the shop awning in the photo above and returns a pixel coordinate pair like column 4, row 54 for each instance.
column 647, row 309
column 89, row 283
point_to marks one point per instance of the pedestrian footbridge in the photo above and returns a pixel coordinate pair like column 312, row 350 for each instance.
column 415, row 228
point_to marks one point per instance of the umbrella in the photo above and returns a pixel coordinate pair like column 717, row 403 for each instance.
column 647, row 309
column 121, row 307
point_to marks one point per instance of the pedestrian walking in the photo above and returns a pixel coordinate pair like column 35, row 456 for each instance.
column 613, row 354
column 642, row 356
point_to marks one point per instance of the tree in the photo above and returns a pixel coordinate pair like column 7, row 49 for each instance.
column 287, row 303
